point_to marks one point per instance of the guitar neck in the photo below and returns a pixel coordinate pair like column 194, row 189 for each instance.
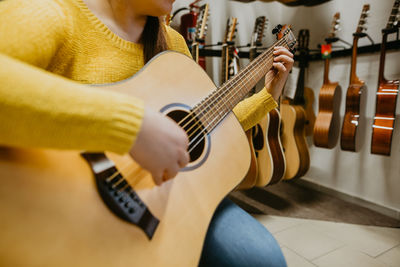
column 353, row 72
column 381, row 78
column 222, row 100
column 224, row 63
column 299, row 96
column 326, row 71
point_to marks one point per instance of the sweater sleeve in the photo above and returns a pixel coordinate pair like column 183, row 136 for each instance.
column 40, row 109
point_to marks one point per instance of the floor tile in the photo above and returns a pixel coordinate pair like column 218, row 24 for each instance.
column 391, row 257
column 347, row 257
column 275, row 224
column 294, row 260
column 371, row 240
column 307, row 242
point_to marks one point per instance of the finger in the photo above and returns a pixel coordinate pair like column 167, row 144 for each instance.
column 170, row 173
column 184, row 159
column 282, row 51
column 158, row 178
column 284, row 58
column 280, row 67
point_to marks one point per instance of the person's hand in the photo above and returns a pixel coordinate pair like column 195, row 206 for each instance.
column 275, row 79
column 160, row 147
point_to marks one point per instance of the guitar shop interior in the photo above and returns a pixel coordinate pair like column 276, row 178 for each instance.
column 320, row 170
column 337, row 195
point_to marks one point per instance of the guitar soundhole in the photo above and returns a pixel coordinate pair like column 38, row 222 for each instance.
column 194, row 129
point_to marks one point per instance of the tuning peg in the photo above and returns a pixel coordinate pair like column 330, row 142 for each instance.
column 277, row 29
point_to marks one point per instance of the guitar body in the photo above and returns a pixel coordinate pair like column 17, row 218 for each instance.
column 326, row 124
column 294, row 142
column 385, row 114
column 251, row 177
column 351, row 116
column 309, row 110
column 268, row 150
column 52, row 214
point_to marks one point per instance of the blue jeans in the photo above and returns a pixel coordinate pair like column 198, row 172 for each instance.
column 235, row 238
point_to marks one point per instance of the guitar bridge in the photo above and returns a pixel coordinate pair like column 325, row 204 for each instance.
column 118, row 195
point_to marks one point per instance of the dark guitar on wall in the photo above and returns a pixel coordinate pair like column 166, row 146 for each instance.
column 355, row 91
column 326, row 128
column 386, row 96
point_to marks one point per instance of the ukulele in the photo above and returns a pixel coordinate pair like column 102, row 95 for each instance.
column 356, row 89
column 326, row 128
column 63, row 208
column 266, row 134
column 201, row 29
column 227, row 49
column 386, row 96
column 294, row 121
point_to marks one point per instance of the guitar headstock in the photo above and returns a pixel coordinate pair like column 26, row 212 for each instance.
column 363, row 19
column 303, row 40
column 258, row 32
column 285, row 32
column 201, row 25
column 394, row 18
column 335, row 25
column 230, row 33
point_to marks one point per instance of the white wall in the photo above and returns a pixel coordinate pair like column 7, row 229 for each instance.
column 370, row 177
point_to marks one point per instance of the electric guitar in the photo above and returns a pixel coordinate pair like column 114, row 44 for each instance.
column 386, row 95
column 294, row 121
column 227, row 49
column 354, row 92
column 201, row 29
column 326, row 128
column 64, row 208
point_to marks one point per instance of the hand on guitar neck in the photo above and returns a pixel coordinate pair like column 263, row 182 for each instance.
column 275, row 79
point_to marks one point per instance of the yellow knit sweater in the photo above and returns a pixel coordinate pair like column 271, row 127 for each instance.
column 49, row 50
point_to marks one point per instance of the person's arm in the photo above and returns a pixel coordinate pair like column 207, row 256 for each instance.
column 39, row 109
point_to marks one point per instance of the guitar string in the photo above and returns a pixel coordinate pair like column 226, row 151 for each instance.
column 218, row 92
column 222, row 90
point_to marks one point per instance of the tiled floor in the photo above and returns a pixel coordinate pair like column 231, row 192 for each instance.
column 320, row 243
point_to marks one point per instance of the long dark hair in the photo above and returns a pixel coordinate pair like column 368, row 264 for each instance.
column 153, row 38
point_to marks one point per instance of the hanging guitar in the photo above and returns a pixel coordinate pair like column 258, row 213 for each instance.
column 354, row 93
column 266, row 134
column 326, row 128
column 386, row 95
column 201, row 29
column 294, row 122
column 61, row 210
column 227, row 50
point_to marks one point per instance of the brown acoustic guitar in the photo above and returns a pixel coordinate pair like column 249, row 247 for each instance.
column 251, row 178
column 266, row 141
column 326, row 128
column 294, row 120
column 386, row 96
column 355, row 91
column 64, row 208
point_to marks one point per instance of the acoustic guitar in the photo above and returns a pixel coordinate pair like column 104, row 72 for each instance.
column 266, row 134
column 386, row 96
column 355, row 91
column 61, row 209
column 326, row 127
column 294, row 121
column 227, row 49
column 201, row 29
column 251, row 178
